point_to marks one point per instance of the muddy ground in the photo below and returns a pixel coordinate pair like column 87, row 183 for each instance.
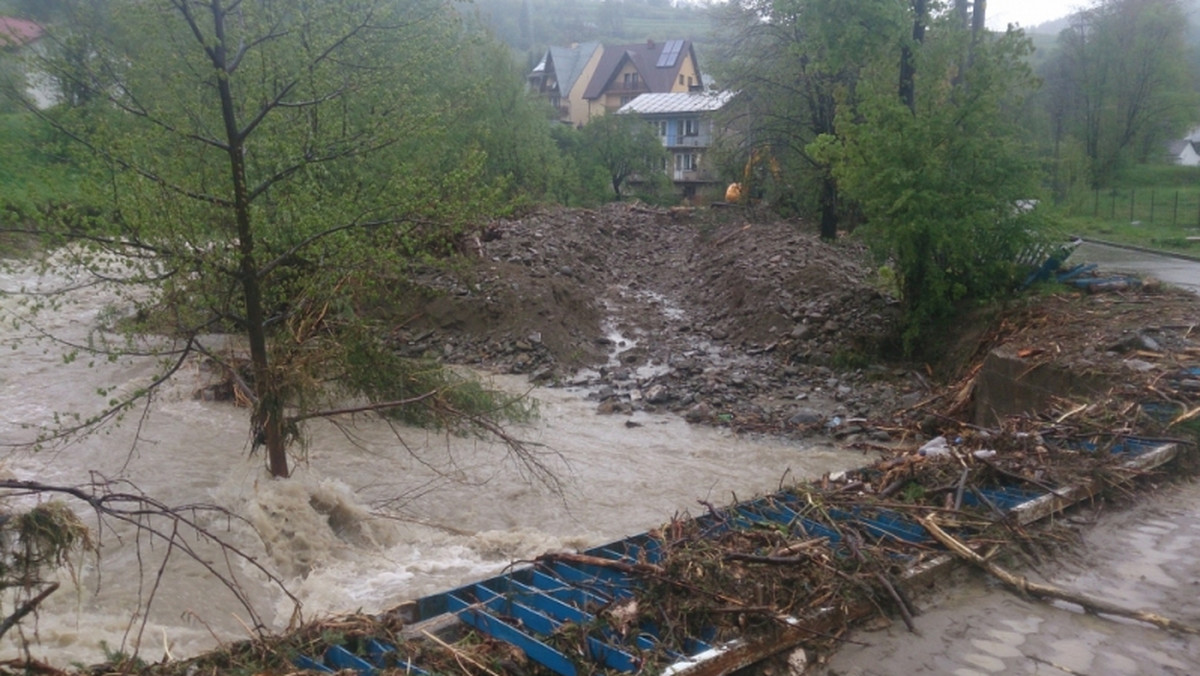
column 729, row 318
column 756, row 324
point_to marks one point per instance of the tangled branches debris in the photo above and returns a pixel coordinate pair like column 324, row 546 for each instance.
column 47, row 535
column 816, row 557
column 31, row 544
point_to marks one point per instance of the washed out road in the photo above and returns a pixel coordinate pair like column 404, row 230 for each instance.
column 1145, row 557
column 1177, row 271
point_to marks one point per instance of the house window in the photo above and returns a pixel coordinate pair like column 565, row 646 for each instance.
column 631, row 80
column 626, row 99
column 689, row 82
column 681, row 78
column 691, row 127
column 662, row 127
column 685, row 162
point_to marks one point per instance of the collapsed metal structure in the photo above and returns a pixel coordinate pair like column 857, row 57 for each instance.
column 561, row 612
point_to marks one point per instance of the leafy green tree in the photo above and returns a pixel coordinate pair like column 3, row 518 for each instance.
column 510, row 126
column 582, row 181
column 272, row 169
column 942, row 177
column 625, row 146
column 1120, row 83
column 794, row 63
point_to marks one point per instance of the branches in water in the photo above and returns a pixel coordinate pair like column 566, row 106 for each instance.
column 49, row 534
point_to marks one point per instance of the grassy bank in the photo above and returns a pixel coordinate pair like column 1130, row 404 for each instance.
column 36, row 169
column 1151, row 206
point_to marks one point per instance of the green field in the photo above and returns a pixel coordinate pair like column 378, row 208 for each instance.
column 33, row 172
column 1153, row 206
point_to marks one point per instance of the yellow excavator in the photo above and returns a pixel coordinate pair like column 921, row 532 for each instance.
column 759, row 165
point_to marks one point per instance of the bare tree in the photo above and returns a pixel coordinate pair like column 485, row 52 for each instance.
column 50, row 535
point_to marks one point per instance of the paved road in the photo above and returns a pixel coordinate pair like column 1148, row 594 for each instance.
column 1141, row 558
column 1177, row 271
column 1145, row 557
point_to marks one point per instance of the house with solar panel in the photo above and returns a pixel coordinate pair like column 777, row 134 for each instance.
column 687, row 126
column 586, row 80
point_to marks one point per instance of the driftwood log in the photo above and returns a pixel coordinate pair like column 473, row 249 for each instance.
column 1023, row 585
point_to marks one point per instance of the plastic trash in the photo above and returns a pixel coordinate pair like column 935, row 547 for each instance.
column 936, row 446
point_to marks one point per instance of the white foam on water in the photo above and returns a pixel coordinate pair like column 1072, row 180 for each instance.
column 368, row 521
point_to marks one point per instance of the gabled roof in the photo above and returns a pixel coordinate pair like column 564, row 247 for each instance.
column 16, row 32
column 677, row 102
column 657, row 64
column 569, row 62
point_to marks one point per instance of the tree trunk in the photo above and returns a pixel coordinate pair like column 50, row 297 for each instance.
column 961, row 13
column 978, row 17
column 829, row 216
column 267, row 419
column 908, row 69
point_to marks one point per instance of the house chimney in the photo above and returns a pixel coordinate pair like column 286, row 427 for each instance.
column 650, row 43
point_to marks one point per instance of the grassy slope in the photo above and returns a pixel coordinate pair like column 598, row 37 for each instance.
column 31, row 173
column 1153, row 206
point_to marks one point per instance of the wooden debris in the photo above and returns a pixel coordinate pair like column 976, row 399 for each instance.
column 1025, row 586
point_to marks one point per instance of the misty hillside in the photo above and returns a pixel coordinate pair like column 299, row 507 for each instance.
column 530, row 26
column 1191, row 8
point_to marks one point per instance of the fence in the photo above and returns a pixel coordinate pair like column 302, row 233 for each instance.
column 1165, row 207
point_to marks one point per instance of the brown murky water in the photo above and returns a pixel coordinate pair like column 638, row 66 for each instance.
column 455, row 509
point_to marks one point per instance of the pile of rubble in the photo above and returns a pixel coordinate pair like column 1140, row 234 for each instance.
column 758, row 325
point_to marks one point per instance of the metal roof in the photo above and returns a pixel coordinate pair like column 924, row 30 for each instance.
column 16, row 32
column 569, row 63
column 649, row 58
column 677, row 102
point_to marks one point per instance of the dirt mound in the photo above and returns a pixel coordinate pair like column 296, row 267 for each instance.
column 1129, row 360
column 703, row 312
column 757, row 324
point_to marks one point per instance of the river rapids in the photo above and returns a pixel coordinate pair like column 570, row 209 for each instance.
column 373, row 516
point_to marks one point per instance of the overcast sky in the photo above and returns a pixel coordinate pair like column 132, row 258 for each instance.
column 1000, row 13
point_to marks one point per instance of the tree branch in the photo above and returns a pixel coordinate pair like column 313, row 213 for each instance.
column 366, row 408
column 26, row 608
column 1024, row 586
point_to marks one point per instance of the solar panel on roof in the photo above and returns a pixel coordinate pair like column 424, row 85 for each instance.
column 675, row 52
column 670, row 53
column 662, row 57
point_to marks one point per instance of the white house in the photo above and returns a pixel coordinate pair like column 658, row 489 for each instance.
column 22, row 37
column 1186, row 151
column 684, row 121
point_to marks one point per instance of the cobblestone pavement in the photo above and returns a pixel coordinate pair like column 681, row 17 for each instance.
column 1144, row 557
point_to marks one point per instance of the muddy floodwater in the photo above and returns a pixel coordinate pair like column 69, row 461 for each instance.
column 373, row 516
column 1145, row 557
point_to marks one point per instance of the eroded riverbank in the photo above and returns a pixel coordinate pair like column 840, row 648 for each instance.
column 375, row 516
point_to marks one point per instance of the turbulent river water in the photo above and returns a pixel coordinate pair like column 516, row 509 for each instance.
column 372, row 517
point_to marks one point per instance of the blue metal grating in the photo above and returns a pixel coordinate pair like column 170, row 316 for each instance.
column 529, row 607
